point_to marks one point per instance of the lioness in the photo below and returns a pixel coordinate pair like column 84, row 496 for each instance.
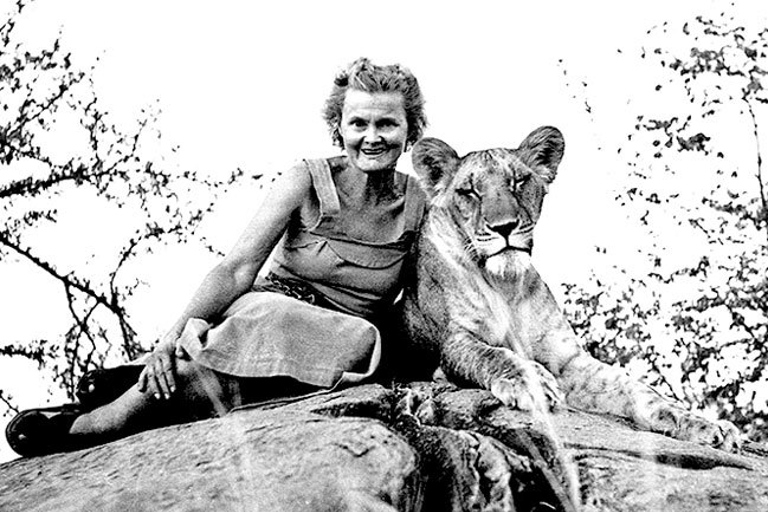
column 477, row 301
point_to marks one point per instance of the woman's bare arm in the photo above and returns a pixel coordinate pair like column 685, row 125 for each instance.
column 233, row 276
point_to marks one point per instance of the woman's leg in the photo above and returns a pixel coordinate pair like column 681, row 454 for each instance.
column 200, row 392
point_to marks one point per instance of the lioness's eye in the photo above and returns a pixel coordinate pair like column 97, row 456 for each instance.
column 466, row 199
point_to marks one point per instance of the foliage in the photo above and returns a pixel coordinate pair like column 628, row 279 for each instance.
column 59, row 153
column 695, row 319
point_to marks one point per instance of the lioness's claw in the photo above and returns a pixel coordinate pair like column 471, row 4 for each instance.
column 533, row 385
column 547, row 381
column 691, row 427
column 729, row 438
column 512, row 393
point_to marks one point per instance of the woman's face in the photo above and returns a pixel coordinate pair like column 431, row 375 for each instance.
column 374, row 129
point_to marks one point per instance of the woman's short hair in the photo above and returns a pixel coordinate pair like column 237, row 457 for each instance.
column 363, row 75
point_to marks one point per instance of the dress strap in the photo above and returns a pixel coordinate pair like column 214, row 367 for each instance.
column 322, row 181
column 415, row 204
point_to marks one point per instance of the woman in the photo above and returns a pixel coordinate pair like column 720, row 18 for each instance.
column 340, row 229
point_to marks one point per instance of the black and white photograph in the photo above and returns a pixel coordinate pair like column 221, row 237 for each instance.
column 395, row 256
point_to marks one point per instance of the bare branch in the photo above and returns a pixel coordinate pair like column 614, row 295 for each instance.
column 25, row 118
column 50, row 270
column 30, row 186
column 759, row 172
column 109, row 164
column 8, row 404
column 81, row 324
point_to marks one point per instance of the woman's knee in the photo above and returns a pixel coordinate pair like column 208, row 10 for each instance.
column 201, row 384
column 187, row 369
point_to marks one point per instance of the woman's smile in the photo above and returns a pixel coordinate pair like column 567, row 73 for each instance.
column 374, row 129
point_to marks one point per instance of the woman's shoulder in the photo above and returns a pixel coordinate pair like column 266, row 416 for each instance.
column 292, row 184
column 320, row 167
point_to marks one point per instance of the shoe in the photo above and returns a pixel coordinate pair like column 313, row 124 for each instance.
column 99, row 387
column 45, row 431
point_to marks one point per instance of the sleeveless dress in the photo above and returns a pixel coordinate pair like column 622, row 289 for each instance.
column 313, row 317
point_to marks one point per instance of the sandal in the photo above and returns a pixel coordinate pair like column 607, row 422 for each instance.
column 44, row 431
column 99, row 387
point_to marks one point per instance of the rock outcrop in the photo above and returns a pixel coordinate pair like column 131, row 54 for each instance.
column 420, row 447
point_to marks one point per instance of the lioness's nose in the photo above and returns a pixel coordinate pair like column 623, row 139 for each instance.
column 504, row 228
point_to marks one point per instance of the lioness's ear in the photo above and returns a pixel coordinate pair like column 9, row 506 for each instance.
column 434, row 162
column 542, row 150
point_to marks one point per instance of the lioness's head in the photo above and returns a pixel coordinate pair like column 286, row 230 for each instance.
column 494, row 196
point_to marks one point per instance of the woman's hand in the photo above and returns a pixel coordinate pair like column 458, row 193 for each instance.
column 230, row 278
column 158, row 376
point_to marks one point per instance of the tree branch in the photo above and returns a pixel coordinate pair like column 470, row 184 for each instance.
column 69, row 281
column 29, row 186
column 24, row 118
column 8, row 404
column 763, row 197
column 81, row 324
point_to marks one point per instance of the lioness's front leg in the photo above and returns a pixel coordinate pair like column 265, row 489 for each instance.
column 594, row 386
column 517, row 382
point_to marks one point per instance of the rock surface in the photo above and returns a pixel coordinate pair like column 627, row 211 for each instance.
column 421, row 447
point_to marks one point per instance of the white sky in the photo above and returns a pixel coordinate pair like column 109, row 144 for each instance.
column 241, row 83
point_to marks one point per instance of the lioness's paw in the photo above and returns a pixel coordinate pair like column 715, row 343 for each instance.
column 532, row 385
column 718, row 434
